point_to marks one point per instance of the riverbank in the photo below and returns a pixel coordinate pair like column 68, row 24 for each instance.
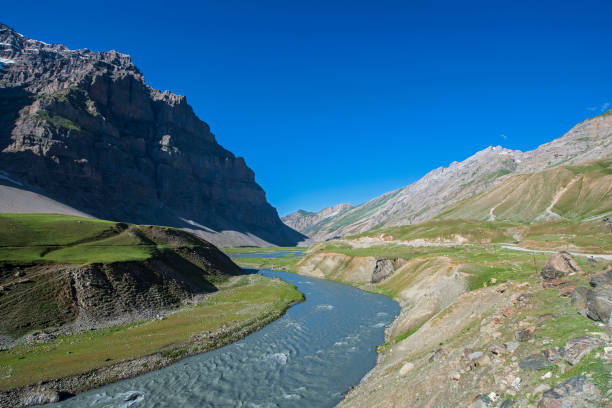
column 72, row 364
column 473, row 320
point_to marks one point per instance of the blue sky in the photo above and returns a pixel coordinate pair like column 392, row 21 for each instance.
column 340, row 101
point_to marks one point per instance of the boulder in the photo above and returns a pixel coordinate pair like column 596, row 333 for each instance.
column 575, row 349
column 601, row 279
column 382, row 270
column 535, row 362
column 559, row 265
column 579, row 300
column 599, row 304
column 524, row 335
column 575, row 392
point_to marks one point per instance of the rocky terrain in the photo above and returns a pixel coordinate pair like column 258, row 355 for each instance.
column 444, row 187
column 480, row 326
column 83, row 129
column 101, row 274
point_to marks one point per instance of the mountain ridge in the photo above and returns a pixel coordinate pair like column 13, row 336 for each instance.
column 444, row 187
column 84, row 128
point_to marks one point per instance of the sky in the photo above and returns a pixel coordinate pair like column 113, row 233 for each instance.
column 341, row 101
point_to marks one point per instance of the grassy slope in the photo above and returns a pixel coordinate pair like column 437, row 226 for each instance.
column 52, row 238
column 591, row 236
column 253, row 297
column 525, row 197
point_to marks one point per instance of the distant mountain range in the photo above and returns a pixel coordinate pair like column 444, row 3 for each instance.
column 492, row 172
column 82, row 133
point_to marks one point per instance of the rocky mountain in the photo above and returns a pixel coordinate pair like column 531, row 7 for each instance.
column 83, row 129
column 444, row 187
column 308, row 222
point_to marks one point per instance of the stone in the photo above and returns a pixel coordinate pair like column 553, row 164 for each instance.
column 475, row 355
column 540, row 388
column 547, row 375
column 506, row 404
column 576, row 392
column 437, row 355
column 575, row 349
column 41, row 396
column 511, row 346
column 566, row 289
column 552, row 355
column 406, row 368
column 579, row 300
column 123, row 151
column 559, row 265
column 601, row 279
column 516, row 383
column 544, row 318
column 456, row 376
column 535, row 362
column 599, row 303
column 524, row 335
column 382, row 270
column 550, row 283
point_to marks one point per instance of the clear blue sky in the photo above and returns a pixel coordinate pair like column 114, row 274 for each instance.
column 340, row 101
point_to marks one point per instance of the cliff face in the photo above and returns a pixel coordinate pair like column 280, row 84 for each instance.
column 86, row 129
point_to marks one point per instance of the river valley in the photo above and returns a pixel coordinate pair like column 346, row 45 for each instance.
column 309, row 357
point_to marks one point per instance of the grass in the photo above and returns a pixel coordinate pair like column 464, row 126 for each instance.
column 239, row 250
column 53, row 238
column 59, row 122
column 279, row 264
column 80, row 353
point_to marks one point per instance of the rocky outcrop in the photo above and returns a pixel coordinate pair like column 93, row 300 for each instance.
column 87, row 131
column 77, row 297
column 559, row 265
column 595, row 303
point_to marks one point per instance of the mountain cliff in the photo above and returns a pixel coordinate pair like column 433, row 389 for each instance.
column 444, row 187
column 83, row 129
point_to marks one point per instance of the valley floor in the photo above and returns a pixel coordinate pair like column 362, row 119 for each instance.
column 78, row 362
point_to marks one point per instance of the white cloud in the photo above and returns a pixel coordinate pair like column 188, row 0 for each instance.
column 602, row 108
column 504, row 136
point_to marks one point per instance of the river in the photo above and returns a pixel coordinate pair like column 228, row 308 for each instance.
column 308, row 358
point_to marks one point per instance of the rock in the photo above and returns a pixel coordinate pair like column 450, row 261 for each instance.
column 406, row 368
column 524, row 335
column 566, row 289
column 41, row 396
column 475, row 355
column 575, row 349
column 599, row 303
column 495, row 349
column 558, row 266
column 516, row 383
column 511, row 346
column 535, row 362
column 507, row 404
column 576, row 392
column 484, row 360
column 549, row 283
column 382, row 270
column 437, row 355
column 456, row 376
column 540, row 388
column 579, row 300
column 547, row 375
column 98, row 137
column 601, row 279
column 552, row 355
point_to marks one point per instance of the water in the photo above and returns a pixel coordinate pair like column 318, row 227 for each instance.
column 308, row 358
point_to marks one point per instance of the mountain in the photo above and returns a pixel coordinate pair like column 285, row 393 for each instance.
column 84, row 130
column 308, row 222
column 563, row 192
column 444, row 187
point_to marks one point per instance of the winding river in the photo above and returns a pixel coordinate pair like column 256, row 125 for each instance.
column 309, row 358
